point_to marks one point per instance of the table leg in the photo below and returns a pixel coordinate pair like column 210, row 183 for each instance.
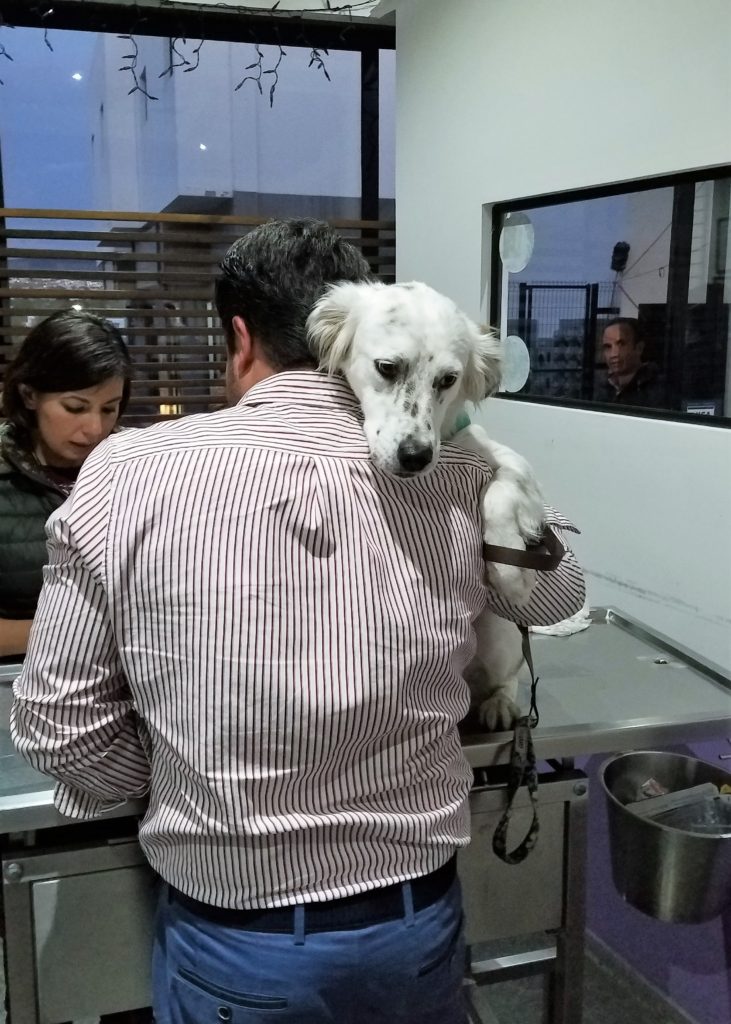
column 565, row 982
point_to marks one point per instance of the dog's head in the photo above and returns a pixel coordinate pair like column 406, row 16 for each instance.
column 411, row 357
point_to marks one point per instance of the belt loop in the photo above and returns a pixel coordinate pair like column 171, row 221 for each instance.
column 299, row 925
column 408, row 898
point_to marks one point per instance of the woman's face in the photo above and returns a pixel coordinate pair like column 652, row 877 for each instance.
column 70, row 424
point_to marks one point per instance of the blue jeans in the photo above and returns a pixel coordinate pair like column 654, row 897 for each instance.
column 407, row 971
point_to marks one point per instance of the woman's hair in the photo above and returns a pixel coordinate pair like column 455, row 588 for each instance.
column 68, row 351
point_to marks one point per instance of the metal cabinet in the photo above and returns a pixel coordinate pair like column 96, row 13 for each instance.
column 545, row 893
column 78, row 931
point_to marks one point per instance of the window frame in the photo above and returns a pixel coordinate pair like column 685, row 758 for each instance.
column 630, row 186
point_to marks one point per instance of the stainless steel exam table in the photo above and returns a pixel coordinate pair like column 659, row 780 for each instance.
column 78, row 898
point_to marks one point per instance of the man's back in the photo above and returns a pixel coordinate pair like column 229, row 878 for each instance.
column 293, row 625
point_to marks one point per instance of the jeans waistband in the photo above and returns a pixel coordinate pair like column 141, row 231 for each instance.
column 366, row 908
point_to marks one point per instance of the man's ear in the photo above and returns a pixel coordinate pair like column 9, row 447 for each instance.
column 244, row 349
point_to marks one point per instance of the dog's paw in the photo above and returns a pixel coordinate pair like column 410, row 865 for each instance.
column 509, row 521
column 498, row 713
column 513, row 501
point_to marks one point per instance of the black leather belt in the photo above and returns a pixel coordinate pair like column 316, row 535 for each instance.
column 349, row 912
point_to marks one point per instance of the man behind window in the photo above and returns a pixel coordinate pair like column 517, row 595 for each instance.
column 630, row 380
column 246, row 620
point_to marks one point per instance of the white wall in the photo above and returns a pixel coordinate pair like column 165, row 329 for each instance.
column 498, row 100
column 655, row 529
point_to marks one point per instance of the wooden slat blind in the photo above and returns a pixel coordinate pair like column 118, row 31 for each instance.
column 152, row 273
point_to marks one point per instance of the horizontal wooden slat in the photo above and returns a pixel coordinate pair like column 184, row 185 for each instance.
column 100, row 274
column 123, row 276
column 194, row 366
column 188, row 331
column 200, row 401
column 140, row 353
column 108, row 256
column 176, row 350
column 173, row 383
column 169, row 238
column 93, row 293
column 205, row 219
column 201, row 312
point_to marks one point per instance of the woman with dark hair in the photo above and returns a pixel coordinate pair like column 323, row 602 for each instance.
column 62, row 394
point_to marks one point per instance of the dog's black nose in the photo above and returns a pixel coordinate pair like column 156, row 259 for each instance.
column 413, row 455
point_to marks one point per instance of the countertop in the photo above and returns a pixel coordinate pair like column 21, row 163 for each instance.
column 615, row 686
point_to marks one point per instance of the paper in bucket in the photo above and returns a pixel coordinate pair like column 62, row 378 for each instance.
column 670, row 834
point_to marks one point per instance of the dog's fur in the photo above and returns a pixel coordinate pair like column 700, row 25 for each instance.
column 413, row 359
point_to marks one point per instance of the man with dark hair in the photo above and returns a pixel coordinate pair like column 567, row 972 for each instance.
column 276, row 274
column 269, row 638
column 630, row 380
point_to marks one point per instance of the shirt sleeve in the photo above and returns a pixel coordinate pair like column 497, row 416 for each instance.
column 73, row 715
column 557, row 594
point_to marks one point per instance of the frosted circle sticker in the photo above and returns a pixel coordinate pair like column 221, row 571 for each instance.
column 517, row 239
column 516, row 364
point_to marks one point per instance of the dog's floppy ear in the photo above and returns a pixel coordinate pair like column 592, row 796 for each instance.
column 483, row 371
column 332, row 323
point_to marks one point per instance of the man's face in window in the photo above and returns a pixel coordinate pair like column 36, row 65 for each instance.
column 622, row 354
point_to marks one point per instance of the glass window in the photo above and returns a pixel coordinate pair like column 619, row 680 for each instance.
column 74, row 138
column 136, row 161
column 621, row 298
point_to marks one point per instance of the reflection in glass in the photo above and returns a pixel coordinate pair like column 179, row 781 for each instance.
column 516, row 364
column 625, row 298
column 517, row 239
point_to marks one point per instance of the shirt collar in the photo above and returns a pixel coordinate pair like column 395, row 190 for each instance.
column 303, row 387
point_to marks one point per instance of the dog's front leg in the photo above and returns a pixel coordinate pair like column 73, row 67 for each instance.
column 512, row 509
column 492, row 675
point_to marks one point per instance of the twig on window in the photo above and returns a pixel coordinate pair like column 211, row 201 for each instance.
column 197, row 55
column 316, row 59
column 259, row 65
column 275, row 71
column 132, row 68
column 175, row 52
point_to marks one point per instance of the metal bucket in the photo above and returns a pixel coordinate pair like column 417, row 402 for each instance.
column 668, row 873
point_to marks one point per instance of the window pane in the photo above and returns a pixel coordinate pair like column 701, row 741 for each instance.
column 623, row 299
column 200, row 143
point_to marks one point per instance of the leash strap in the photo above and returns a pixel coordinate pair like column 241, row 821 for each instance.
column 544, row 555
column 522, row 771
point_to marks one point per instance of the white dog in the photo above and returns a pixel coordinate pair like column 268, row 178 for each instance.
column 413, row 359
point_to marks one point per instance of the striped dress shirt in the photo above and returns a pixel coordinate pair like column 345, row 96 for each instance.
column 246, row 620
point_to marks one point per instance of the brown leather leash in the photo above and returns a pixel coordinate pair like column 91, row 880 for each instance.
column 545, row 555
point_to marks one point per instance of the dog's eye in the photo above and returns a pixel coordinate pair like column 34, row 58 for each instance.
column 387, row 369
column 446, row 381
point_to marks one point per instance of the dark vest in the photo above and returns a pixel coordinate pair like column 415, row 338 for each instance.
column 27, row 499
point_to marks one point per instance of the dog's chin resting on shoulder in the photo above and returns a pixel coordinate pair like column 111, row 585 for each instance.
column 413, row 360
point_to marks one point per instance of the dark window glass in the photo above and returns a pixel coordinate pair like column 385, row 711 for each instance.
column 620, row 299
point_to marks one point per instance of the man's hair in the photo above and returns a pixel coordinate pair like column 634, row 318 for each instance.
column 627, row 321
column 273, row 276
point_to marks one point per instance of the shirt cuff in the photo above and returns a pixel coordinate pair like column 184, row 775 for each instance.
column 75, row 803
